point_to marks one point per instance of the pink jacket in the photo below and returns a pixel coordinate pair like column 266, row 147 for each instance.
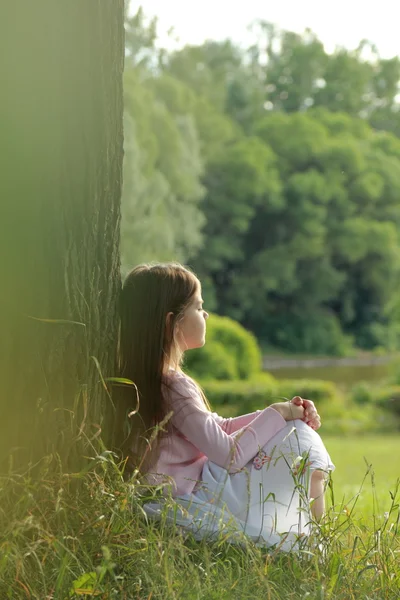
column 198, row 435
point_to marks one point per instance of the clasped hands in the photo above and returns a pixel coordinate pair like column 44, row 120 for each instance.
column 299, row 408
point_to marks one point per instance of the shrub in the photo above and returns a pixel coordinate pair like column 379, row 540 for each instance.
column 240, row 358
column 389, row 397
column 361, row 393
column 213, row 361
column 385, row 397
column 240, row 397
column 318, row 390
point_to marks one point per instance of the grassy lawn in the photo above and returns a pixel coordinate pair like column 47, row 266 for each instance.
column 83, row 535
column 352, row 457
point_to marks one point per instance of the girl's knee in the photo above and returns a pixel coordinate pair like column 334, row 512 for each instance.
column 318, row 481
column 319, row 475
column 317, row 491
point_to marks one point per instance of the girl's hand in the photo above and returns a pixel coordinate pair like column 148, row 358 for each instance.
column 311, row 416
column 289, row 410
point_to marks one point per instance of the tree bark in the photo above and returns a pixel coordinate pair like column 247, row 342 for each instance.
column 61, row 151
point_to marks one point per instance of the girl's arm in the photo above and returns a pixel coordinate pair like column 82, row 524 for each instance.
column 199, row 427
column 229, row 451
column 233, row 424
column 311, row 417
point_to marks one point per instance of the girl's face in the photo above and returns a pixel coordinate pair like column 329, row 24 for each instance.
column 192, row 328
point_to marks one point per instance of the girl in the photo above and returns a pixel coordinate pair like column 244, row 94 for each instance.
column 256, row 472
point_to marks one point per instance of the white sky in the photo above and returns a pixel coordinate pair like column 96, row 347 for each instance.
column 335, row 22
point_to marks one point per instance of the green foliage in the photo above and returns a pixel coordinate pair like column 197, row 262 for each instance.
column 260, row 169
column 317, row 255
column 241, row 179
column 80, row 535
column 389, row 398
column 299, row 74
column 161, row 219
column 295, row 64
column 213, row 361
column 363, row 410
column 361, row 393
column 317, row 332
column 382, row 400
column 230, row 352
column 323, row 393
column 240, row 397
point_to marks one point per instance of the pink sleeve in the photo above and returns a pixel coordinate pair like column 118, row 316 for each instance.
column 233, row 424
column 199, row 427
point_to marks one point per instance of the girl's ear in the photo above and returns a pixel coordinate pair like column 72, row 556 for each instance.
column 168, row 322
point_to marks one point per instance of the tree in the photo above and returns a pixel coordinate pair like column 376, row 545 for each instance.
column 297, row 74
column 294, row 66
column 300, row 195
column 301, row 237
column 160, row 215
column 162, row 189
column 61, row 149
column 207, row 69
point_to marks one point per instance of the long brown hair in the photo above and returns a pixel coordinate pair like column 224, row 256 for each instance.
column 147, row 348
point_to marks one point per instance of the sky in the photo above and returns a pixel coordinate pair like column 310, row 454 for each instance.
column 336, row 22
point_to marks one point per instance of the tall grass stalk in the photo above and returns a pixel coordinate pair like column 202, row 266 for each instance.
column 83, row 535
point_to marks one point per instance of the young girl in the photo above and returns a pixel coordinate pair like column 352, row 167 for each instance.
column 256, row 472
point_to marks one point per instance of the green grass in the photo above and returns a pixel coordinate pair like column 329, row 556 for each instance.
column 71, row 536
column 373, row 457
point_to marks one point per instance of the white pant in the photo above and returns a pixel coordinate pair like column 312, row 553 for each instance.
column 268, row 499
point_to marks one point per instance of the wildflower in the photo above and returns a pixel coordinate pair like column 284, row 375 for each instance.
column 300, row 465
column 261, row 459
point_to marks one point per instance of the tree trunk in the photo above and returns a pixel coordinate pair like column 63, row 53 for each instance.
column 61, row 151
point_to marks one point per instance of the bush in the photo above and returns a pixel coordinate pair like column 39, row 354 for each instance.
column 318, row 390
column 381, row 403
column 240, row 397
column 388, row 397
column 231, row 345
column 362, row 393
column 213, row 361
